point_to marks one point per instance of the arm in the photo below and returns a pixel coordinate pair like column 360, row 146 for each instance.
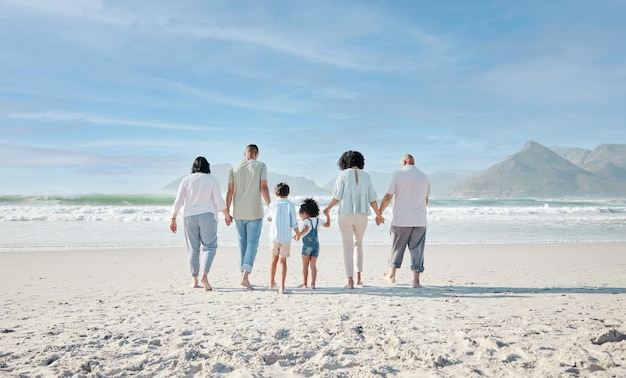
column 385, row 202
column 220, row 204
column 379, row 216
column 178, row 203
column 227, row 217
column 332, row 203
column 173, row 225
column 297, row 231
column 229, row 194
column 305, row 230
column 265, row 192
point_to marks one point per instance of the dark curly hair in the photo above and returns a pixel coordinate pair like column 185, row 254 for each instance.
column 201, row 165
column 310, row 207
column 351, row 159
column 281, row 189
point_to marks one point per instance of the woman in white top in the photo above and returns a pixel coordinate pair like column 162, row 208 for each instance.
column 200, row 198
column 355, row 194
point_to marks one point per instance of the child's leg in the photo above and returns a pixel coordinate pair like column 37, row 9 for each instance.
column 283, row 274
column 305, row 270
column 313, row 264
column 273, row 271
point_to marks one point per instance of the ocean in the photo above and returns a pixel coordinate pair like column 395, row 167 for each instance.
column 97, row 221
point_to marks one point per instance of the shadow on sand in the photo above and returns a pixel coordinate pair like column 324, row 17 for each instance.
column 405, row 290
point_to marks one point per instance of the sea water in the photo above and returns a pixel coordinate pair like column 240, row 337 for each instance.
column 32, row 223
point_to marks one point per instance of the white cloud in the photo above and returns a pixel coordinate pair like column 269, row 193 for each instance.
column 99, row 120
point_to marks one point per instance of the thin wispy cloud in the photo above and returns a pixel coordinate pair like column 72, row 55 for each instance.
column 98, row 120
column 460, row 84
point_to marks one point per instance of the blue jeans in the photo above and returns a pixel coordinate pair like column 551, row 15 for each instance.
column 201, row 231
column 249, row 232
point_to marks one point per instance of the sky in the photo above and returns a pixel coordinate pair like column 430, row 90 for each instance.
column 121, row 96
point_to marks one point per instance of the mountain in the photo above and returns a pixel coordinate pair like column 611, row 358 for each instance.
column 575, row 155
column 443, row 183
column 608, row 161
column 538, row 172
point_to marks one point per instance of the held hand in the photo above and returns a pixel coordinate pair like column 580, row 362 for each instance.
column 327, row 213
column 228, row 220
column 379, row 220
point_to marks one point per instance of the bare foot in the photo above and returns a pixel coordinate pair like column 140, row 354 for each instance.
column 281, row 290
column 312, row 286
column 389, row 278
column 247, row 285
column 207, row 286
column 302, row 286
column 349, row 286
column 359, row 283
column 416, row 285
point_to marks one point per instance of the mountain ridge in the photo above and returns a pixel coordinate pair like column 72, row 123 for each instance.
column 537, row 171
column 534, row 171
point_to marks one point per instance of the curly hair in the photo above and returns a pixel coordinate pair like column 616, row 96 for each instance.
column 201, row 165
column 281, row 189
column 310, row 207
column 351, row 159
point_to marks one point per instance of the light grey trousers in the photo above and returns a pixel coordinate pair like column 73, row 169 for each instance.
column 201, row 232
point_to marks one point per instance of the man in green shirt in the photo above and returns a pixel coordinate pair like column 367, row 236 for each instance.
column 247, row 188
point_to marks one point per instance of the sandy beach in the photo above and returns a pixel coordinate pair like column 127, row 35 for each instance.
column 549, row 310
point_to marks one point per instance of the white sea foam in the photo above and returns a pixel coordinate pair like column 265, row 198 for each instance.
column 59, row 223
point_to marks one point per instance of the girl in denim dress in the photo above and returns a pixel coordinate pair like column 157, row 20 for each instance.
column 309, row 212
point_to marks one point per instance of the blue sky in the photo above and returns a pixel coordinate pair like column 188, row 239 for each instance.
column 121, row 96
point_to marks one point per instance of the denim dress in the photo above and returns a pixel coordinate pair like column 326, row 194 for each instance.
column 310, row 242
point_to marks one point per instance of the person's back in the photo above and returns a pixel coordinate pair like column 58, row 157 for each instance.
column 283, row 219
column 355, row 190
column 247, row 186
column 202, row 193
column 311, row 238
column 410, row 188
column 246, row 177
column 282, row 215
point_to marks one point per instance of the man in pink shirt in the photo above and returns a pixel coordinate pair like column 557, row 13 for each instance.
column 409, row 189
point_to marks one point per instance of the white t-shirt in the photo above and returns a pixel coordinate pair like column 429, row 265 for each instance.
column 410, row 188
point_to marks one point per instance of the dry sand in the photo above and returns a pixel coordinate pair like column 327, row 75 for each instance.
column 524, row 310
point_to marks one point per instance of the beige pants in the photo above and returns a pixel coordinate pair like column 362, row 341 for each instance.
column 352, row 228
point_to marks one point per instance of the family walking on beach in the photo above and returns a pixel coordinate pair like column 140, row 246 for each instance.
column 353, row 193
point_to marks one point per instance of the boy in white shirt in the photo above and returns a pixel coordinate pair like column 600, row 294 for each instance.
column 283, row 218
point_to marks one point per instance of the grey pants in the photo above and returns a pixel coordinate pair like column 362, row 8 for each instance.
column 412, row 237
column 201, row 231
